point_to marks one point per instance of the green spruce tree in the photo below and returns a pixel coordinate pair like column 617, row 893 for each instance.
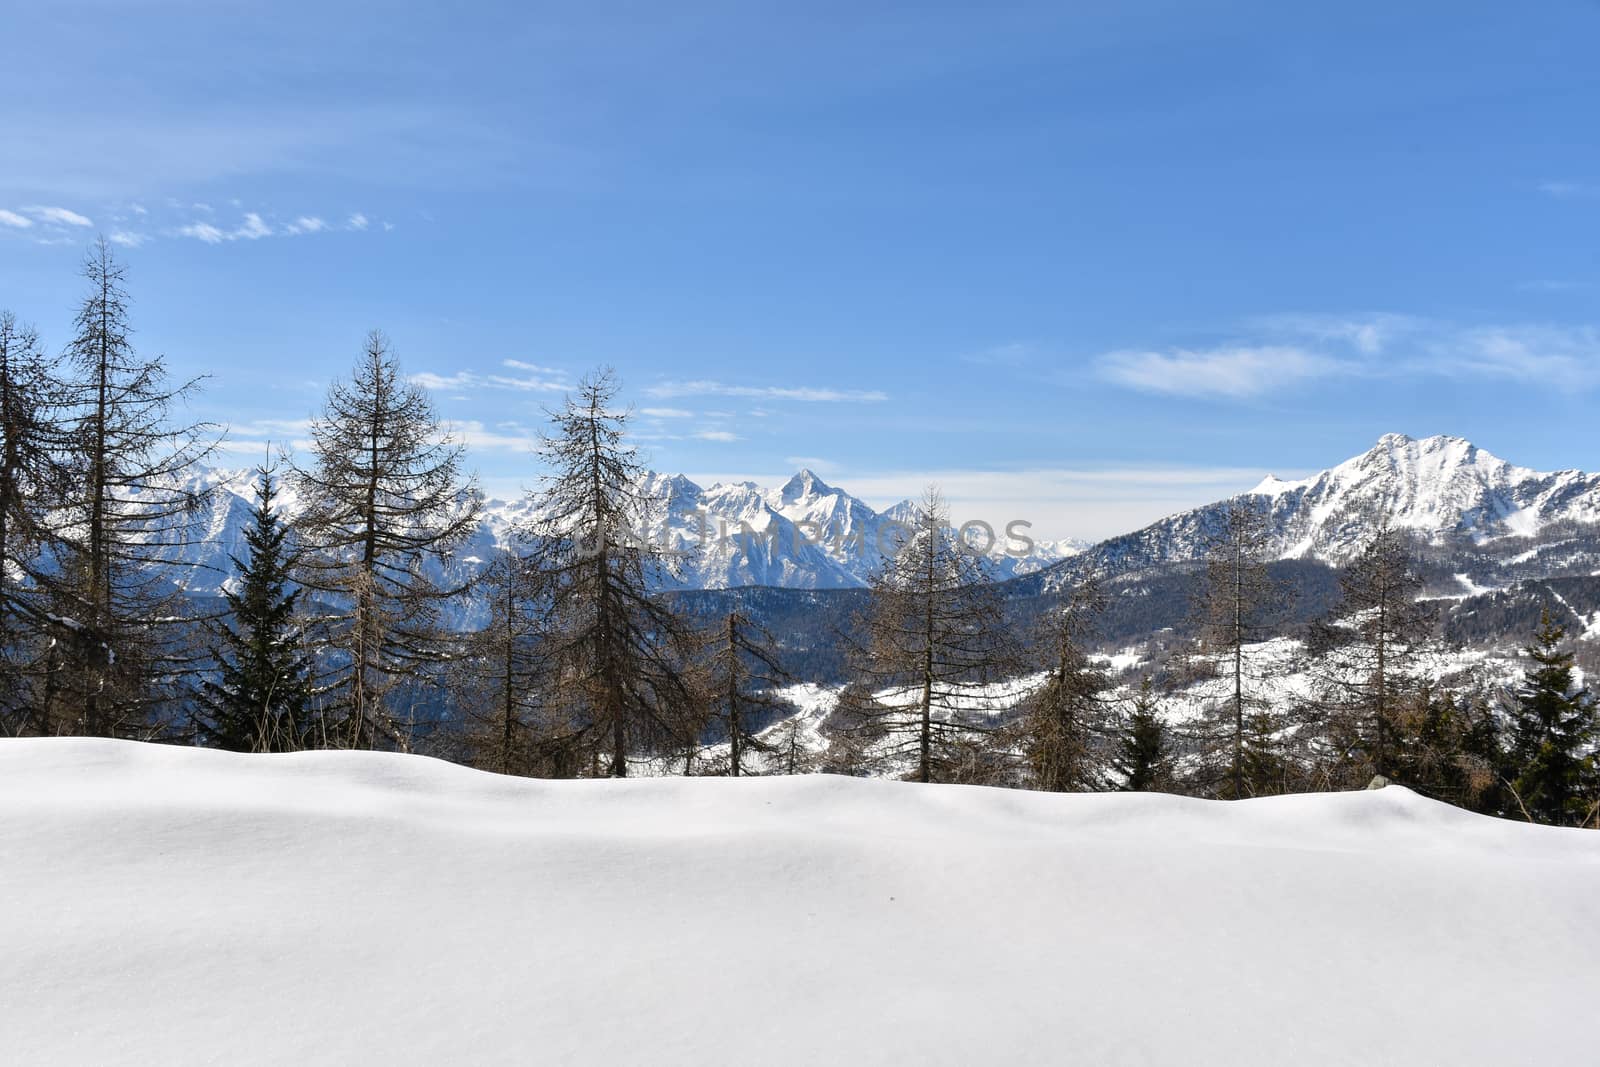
column 1142, row 749
column 1554, row 720
column 258, row 702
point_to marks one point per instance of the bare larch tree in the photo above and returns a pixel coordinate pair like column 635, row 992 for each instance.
column 744, row 674
column 500, row 679
column 935, row 631
column 618, row 655
column 1066, row 722
column 1371, row 652
column 386, row 504
column 122, row 651
column 1236, row 599
column 34, row 477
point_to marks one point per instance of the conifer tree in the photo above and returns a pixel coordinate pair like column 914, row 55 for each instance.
column 503, row 672
column 1553, row 724
column 259, row 700
column 935, row 629
column 1063, row 722
column 387, row 503
column 121, row 654
column 34, row 478
column 744, row 671
column 788, row 752
column 1442, row 749
column 1370, row 655
column 618, row 683
column 1236, row 600
column 1142, row 758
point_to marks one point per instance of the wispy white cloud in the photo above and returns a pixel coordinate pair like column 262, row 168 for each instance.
column 203, row 231
column 11, row 218
column 815, row 464
column 251, row 228
column 126, row 238
column 1368, row 334
column 504, row 438
column 715, row 435
column 546, row 380
column 445, row 382
column 666, row 413
column 667, row 390
column 263, row 438
column 518, row 364
column 59, row 215
column 1564, row 357
column 1564, row 188
column 1287, row 351
column 1237, row 371
column 357, row 221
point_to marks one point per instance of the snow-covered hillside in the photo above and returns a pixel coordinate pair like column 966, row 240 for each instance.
column 1514, row 522
column 1439, row 486
column 176, row 906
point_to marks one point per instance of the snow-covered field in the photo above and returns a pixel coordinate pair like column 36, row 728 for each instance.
column 170, row 906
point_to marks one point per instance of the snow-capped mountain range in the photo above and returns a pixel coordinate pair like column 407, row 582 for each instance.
column 805, row 534
column 1504, row 521
column 1499, row 520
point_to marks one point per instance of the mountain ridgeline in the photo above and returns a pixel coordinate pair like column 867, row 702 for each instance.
column 1492, row 541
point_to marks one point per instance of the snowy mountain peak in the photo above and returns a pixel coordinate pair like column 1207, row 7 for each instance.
column 1444, row 490
column 804, row 485
column 806, row 535
column 1398, row 459
column 1440, row 487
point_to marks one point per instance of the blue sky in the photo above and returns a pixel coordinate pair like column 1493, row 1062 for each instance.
column 1081, row 264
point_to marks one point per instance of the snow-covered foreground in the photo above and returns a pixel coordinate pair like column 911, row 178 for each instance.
column 167, row 905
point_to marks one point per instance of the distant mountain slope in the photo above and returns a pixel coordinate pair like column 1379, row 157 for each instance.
column 1491, row 536
column 1475, row 518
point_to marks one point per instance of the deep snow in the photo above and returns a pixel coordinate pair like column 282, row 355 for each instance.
column 168, row 905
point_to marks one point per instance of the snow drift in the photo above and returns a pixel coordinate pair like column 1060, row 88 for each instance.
column 167, row 905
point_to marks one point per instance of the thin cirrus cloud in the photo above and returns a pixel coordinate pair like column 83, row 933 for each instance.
column 667, row 390
column 1552, row 355
column 253, row 226
column 53, row 217
column 502, row 438
column 1299, row 349
column 534, row 379
column 1564, row 188
column 1238, row 371
column 59, row 215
